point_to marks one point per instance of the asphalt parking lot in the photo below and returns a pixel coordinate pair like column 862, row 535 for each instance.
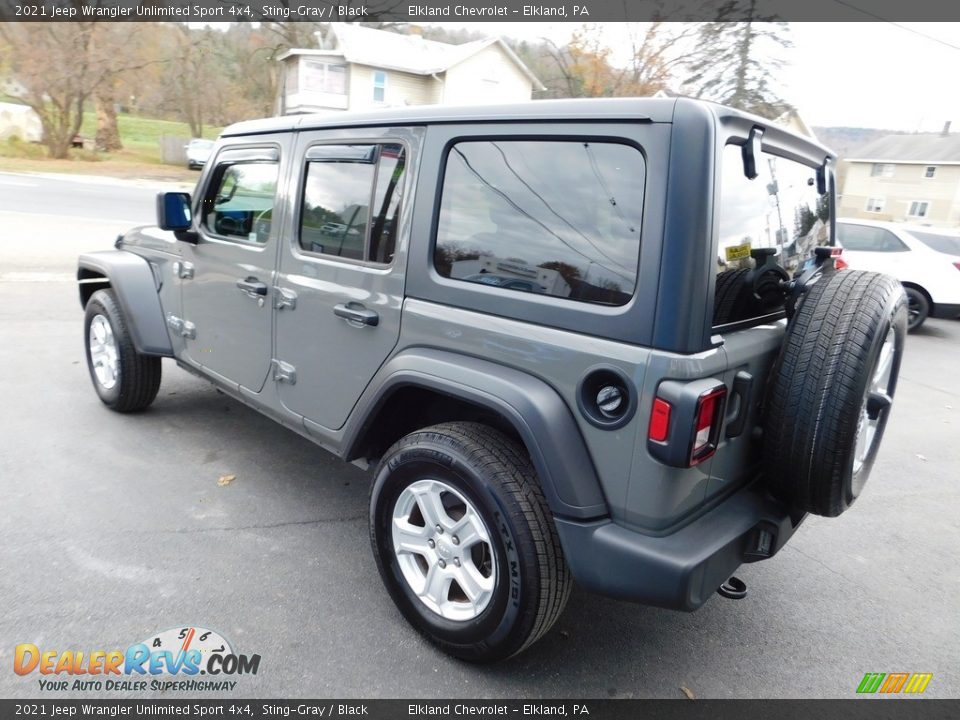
column 115, row 527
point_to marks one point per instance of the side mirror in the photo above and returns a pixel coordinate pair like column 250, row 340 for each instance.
column 173, row 213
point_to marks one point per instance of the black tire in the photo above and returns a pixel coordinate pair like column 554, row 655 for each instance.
column 918, row 308
column 747, row 293
column 819, row 388
column 138, row 376
column 532, row 581
column 728, row 296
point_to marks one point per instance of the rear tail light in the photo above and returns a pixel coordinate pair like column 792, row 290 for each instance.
column 957, row 265
column 685, row 421
column 708, row 416
column 659, row 420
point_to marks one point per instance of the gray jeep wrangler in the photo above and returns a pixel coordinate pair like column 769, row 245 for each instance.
column 598, row 340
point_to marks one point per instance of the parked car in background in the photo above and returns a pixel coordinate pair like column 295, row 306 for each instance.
column 198, row 152
column 925, row 260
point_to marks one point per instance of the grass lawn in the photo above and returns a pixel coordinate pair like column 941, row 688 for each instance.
column 140, row 156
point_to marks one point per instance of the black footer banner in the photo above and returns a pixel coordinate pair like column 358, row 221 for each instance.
column 857, row 709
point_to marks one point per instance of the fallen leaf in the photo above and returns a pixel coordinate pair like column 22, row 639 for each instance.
column 688, row 692
column 226, row 480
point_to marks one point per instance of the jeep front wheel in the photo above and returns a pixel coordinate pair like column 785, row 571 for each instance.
column 124, row 379
column 465, row 543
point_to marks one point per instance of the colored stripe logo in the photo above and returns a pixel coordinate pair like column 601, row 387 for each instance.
column 890, row 683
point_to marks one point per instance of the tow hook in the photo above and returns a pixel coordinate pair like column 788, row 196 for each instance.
column 734, row 588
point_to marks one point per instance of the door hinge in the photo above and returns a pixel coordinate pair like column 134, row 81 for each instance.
column 284, row 297
column 184, row 270
column 284, row 372
column 181, row 327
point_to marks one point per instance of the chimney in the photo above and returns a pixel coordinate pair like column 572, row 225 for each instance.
column 946, row 129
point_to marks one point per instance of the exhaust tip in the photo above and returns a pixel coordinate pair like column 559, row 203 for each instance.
column 733, row 589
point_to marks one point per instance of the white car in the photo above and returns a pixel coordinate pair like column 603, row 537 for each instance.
column 926, row 260
column 198, row 152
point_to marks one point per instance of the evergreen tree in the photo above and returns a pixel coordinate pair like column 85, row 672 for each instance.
column 736, row 59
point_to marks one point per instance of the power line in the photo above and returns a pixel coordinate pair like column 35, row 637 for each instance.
column 875, row 16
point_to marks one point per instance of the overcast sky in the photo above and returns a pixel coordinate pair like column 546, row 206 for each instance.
column 855, row 74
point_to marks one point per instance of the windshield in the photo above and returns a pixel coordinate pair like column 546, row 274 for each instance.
column 949, row 244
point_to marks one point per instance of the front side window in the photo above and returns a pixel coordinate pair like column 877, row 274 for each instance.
column 379, row 86
column 559, row 218
column 919, row 209
column 868, row 238
column 342, row 184
column 239, row 203
column 884, row 170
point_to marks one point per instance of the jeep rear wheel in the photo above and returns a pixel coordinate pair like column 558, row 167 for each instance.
column 832, row 389
column 465, row 543
column 124, row 379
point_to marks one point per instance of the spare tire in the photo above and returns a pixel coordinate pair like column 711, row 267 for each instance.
column 747, row 293
column 728, row 296
column 831, row 390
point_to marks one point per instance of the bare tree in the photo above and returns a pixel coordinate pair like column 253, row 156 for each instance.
column 54, row 63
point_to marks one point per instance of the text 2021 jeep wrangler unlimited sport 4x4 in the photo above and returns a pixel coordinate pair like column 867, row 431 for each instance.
column 581, row 340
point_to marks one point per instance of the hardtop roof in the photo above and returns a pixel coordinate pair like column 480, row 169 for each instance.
column 642, row 109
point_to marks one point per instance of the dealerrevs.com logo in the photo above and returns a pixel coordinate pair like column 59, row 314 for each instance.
column 169, row 660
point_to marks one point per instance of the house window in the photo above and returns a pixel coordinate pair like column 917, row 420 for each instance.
column 317, row 76
column 930, row 171
column 379, row 86
column 919, row 208
column 882, row 170
column 875, row 204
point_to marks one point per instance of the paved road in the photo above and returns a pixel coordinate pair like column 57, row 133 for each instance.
column 114, row 527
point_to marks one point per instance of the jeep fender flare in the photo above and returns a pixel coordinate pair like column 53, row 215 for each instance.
column 533, row 408
column 136, row 290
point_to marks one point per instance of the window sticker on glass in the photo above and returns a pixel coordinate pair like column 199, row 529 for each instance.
column 737, row 252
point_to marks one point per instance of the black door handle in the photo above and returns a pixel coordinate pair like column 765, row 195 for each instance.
column 357, row 313
column 252, row 286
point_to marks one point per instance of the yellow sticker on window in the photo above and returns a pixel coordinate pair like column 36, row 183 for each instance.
column 737, row 252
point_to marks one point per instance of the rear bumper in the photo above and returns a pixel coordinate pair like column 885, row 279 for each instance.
column 683, row 569
column 947, row 312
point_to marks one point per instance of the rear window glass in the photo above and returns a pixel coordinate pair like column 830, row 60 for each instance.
column 558, row 218
column 941, row 243
column 779, row 209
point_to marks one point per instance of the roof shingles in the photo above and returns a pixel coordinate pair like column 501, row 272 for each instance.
column 918, row 148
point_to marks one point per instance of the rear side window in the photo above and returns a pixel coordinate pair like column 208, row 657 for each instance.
column 869, row 238
column 949, row 244
column 779, row 209
column 351, row 201
column 559, row 218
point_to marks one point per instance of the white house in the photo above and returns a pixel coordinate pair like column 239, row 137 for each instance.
column 359, row 68
column 906, row 178
column 21, row 121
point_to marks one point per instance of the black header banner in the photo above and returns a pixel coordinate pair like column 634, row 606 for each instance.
column 426, row 11
column 472, row 709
